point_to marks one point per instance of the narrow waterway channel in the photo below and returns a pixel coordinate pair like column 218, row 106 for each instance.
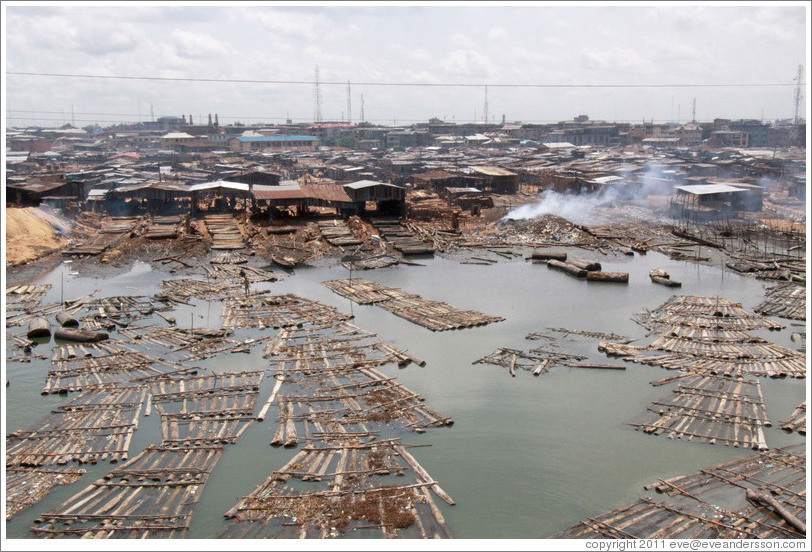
column 527, row 456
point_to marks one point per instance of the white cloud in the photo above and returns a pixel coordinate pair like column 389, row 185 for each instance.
column 467, row 63
column 198, row 45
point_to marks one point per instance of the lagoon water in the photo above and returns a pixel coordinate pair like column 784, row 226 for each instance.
column 527, row 456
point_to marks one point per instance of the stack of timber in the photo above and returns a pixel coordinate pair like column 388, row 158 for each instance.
column 704, row 312
column 796, row 421
column 537, row 361
column 24, row 297
column 186, row 344
column 163, row 227
column 97, row 425
column 762, row 496
column 786, row 300
column 343, row 489
column 229, row 257
column 109, row 235
column 660, row 276
column 706, row 335
column 712, row 409
column 434, row 315
column 181, row 290
column 401, row 238
column 76, row 367
column 27, row 486
column 213, row 409
column 225, row 234
column 237, row 274
column 151, row 496
column 337, row 233
column 277, row 311
column 345, row 342
column 330, row 395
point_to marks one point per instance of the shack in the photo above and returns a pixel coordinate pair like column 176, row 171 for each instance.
column 218, row 196
column 496, row 179
column 389, row 199
column 707, row 201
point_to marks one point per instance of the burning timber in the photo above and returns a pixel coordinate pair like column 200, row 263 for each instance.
column 434, row 315
column 762, row 496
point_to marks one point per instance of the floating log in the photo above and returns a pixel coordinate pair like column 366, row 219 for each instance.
column 586, row 265
column 757, row 496
column 66, row 320
column 567, row 267
column 617, row 277
column 284, row 262
column 541, row 255
column 665, row 281
column 39, row 327
column 81, row 336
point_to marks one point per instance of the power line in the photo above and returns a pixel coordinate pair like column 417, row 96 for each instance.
column 416, row 84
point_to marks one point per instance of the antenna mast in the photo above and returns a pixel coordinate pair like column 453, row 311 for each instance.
column 317, row 98
column 349, row 103
column 486, row 104
column 798, row 94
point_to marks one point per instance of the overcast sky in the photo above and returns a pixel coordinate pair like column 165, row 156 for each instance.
column 494, row 45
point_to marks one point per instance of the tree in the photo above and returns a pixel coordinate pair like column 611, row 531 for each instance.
column 91, row 128
column 349, row 142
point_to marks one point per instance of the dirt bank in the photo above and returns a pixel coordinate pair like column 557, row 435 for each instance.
column 30, row 234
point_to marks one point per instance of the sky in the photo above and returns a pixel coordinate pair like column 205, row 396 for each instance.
column 408, row 62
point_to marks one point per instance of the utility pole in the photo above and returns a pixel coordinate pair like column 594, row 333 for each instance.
column 362, row 109
column 693, row 113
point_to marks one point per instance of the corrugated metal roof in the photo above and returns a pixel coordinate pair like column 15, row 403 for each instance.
column 705, row 189
column 492, row 171
column 219, row 184
column 369, row 184
column 277, row 139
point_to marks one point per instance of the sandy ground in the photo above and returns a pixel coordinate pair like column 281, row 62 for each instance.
column 30, row 235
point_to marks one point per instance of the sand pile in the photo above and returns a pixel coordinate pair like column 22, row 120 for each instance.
column 30, row 234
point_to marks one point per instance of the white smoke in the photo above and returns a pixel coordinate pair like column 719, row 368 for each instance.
column 578, row 209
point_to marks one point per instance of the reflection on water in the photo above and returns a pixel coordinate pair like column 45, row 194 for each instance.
column 527, row 456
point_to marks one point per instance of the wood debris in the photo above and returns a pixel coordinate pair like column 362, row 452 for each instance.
column 27, row 486
column 537, row 361
column 163, row 227
column 434, row 315
column 182, row 289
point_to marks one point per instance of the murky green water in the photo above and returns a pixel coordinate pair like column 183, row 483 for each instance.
column 527, row 456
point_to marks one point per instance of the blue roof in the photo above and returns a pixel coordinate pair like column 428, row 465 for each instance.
column 277, row 138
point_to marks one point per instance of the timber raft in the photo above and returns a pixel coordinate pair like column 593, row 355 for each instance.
column 434, row 315
column 762, row 496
